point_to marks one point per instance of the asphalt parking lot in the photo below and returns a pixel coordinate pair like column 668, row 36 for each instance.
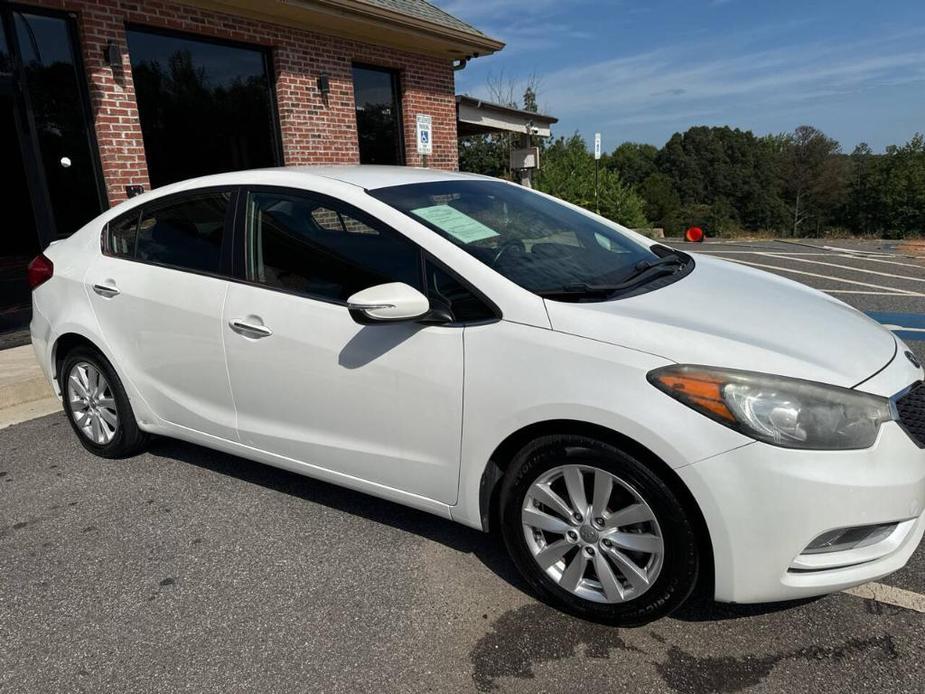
column 184, row 569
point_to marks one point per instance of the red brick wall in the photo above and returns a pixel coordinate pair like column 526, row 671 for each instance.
column 312, row 132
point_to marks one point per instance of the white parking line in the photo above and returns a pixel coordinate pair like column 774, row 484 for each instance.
column 858, row 252
column 889, row 595
column 880, row 260
column 865, row 293
column 842, row 267
column 894, row 328
column 759, row 252
column 905, row 292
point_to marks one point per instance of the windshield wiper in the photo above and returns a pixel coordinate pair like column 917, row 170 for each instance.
column 645, row 267
column 643, row 270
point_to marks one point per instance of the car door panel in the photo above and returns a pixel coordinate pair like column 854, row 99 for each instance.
column 158, row 295
column 382, row 403
column 163, row 327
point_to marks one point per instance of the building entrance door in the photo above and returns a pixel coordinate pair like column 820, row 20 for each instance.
column 47, row 151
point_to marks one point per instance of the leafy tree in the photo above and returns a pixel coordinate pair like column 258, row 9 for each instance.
column 567, row 172
column 860, row 209
column 725, row 167
column 812, row 176
column 662, row 202
column 900, row 182
column 484, row 154
column 634, row 161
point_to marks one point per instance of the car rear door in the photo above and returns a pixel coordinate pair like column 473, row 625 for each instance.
column 158, row 291
column 378, row 403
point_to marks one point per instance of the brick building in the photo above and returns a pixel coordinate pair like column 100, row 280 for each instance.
column 101, row 98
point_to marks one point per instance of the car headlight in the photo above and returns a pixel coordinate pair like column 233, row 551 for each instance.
column 781, row 411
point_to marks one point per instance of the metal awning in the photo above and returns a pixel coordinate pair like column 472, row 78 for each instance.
column 478, row 117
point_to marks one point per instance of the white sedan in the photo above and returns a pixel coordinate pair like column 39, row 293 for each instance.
column 632, row 419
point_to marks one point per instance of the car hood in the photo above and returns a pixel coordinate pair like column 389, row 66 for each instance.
column 728, row 315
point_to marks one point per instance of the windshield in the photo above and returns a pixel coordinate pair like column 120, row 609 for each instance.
column 540, row 244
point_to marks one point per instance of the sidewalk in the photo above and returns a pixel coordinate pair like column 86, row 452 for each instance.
column 24, row 392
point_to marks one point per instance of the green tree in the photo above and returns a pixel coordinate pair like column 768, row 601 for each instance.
column 662, row 203
column 567, row 172
column 633, row 161
column 484, row 154
column 860, row 210
column 728, row 168
column 900, row 180
column 814, row 179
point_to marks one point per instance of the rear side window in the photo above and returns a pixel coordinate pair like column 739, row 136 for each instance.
column 184, row 233
column 323, row 249
column 119, row 239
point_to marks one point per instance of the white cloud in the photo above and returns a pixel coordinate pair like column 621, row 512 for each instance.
column 674, row 84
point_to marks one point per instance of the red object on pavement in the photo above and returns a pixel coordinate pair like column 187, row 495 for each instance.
column 694, row 235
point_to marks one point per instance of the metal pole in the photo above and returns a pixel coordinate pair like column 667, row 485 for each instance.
column 597, row 204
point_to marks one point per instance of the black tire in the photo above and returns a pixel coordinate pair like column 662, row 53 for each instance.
column 128, row 438
column 680, row 557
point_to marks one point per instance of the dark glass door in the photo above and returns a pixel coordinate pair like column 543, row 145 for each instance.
column 47, row 152
column 18, row 237
column 54, row 87
column 377, row 97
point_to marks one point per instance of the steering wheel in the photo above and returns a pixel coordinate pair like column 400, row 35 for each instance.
column 507, row 248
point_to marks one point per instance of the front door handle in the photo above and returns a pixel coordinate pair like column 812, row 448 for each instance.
column 249, row 329
column 106, row 290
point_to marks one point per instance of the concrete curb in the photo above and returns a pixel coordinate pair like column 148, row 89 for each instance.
column 24, row 391
column 28, row 410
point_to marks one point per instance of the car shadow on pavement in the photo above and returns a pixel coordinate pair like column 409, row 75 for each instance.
column 702, row 609
column 488, row 548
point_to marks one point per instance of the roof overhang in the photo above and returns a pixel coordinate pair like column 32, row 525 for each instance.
column 478, row 117
column 362, row 21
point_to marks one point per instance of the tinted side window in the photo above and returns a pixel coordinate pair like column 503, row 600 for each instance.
column 443, row 289
column 323, row 249
column 119, row 239
column 184, row 233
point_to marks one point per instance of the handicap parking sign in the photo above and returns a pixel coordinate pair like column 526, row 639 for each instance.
column 424, row 123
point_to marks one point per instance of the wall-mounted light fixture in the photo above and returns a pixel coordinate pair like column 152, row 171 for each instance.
column 111, row 55
column 324, row 85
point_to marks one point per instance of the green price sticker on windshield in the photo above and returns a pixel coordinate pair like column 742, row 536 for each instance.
column 458, row 225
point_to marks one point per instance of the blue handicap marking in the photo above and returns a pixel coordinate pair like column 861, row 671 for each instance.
column 907, row 326
column 425, row 136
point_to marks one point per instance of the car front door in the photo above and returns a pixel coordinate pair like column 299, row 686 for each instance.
column 158, row 292
column 376, row 403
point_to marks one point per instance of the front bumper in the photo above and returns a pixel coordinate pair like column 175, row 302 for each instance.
column 763, row 505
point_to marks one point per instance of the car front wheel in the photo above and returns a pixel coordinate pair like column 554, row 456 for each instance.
column 597, row 532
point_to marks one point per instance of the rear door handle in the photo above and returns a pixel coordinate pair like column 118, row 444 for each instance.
column 249, row 329
column 106, row 290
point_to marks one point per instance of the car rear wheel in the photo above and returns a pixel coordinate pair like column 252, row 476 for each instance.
column 595, row 531
column 97, row 406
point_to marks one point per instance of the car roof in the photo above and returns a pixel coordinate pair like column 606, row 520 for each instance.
column 367, row 177
column 371, row 176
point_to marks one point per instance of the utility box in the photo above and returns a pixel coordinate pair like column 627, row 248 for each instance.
column 526, row 158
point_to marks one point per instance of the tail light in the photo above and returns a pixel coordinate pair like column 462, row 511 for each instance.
column 40, row 270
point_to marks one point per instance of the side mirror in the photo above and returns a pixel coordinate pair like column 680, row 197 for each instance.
column 388, row 303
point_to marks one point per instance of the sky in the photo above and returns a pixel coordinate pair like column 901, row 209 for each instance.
column 641, row 70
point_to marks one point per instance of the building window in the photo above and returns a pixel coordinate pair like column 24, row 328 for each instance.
column 205, row 106
column 378, row 104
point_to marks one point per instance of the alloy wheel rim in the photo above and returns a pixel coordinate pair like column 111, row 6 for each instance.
column 92, row 403
column 592, row 533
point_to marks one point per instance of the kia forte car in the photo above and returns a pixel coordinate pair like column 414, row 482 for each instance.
column 634, row 420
